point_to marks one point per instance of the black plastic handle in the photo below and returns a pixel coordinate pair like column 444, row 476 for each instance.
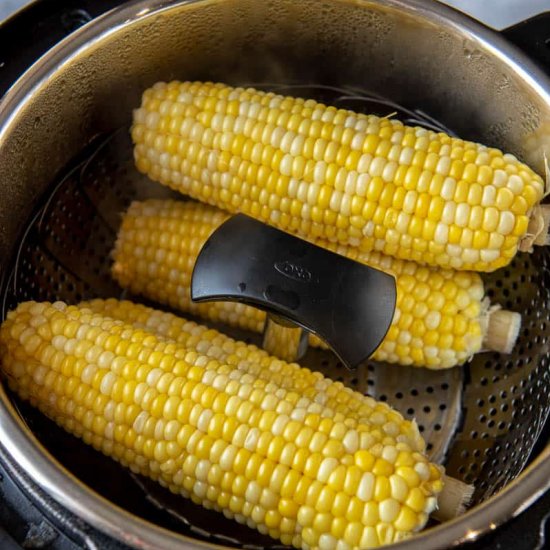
column 347, row 304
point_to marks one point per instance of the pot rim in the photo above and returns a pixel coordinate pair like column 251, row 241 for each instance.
column 107, row 517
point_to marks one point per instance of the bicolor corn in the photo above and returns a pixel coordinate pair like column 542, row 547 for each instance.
column 348, row 178
column 217, row 431
column 441, row 317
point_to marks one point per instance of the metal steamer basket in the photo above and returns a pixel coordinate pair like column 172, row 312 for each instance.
column 66, row 174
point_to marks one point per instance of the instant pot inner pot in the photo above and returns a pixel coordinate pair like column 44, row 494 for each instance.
column 69, row 145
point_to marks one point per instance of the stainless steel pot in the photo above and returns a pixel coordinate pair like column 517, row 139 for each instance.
column 419, row 54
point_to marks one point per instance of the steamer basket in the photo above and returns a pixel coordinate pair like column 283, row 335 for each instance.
column 66, row 174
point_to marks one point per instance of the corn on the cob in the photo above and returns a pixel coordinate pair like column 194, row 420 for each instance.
column 440, row 321
column 349, row 178
column 229, row 440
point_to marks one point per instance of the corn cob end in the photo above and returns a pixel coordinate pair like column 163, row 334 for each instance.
column 537, row 230
column 502, row 330
column 453, row 500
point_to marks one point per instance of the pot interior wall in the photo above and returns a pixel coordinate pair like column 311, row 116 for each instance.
column 394, row 49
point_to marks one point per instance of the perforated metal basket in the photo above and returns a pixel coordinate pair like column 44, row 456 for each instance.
column 482, row 420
